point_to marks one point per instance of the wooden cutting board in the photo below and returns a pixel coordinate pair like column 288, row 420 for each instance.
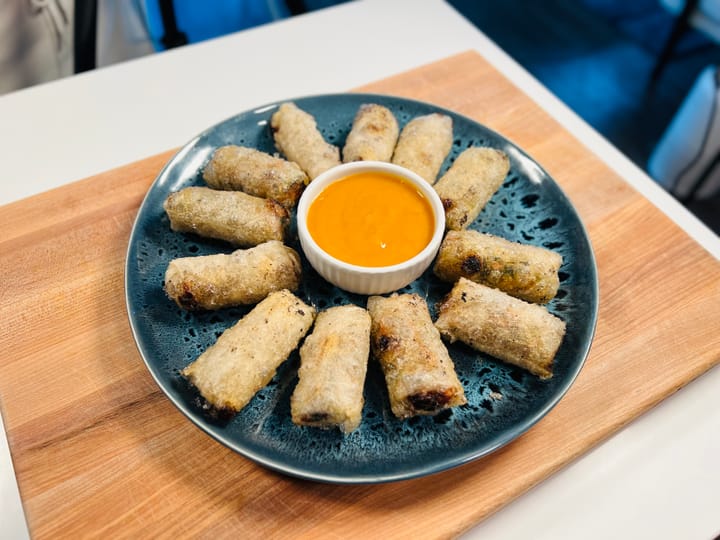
column 99, row 451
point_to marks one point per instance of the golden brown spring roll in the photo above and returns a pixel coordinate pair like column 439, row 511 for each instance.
column 373, row 135
column 245, row 357
column 419, row 373
column 233, row 216
column 469, row 183
column 298, row 138
column 423, row 145
column 332, row 371
column 240, row 278
column 238, row 168
column 524, row 271
column 523, row 334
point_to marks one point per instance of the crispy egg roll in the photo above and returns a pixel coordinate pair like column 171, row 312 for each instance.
column 333, row 363
column 419, row 373
column 238, row 168
column 298, row 138
column 233, row 216
column 373, row 135
column 245, row 357
column 490, row 321
column 524, row 271
column 469, row 183
column 423, row 145
column 242, row 277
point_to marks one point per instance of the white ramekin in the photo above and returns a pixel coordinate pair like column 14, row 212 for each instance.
column 364, row 279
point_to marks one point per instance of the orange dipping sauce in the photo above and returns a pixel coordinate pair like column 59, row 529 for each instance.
column 371, row 219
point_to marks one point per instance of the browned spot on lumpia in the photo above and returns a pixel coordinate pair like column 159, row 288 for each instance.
column 233, row 216
column 245, row 357
column 333, row 363
column 256, row 173
column 242, row 277
column 470, row 182
column 521, row 270
column 423, row 144
column 526, row 335
column 373, row 135
column 419, row 373
column 296, row 135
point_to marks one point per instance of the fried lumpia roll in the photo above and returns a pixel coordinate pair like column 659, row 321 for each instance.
column 333, row 363
column 373, row 135
column 524, row 271
column 240, row 278
column 490, row 321
column 298, row 138
column 233, row 216
column 419, row 373
column 238, row 168
column 469, row 183
column 423, row 145
column 245, row 357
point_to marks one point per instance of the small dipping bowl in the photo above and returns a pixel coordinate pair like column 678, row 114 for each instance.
column 369, row 279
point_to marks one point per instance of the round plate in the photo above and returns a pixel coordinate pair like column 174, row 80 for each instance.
column 503, row 401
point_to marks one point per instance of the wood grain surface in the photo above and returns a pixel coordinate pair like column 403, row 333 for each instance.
column 99, row 451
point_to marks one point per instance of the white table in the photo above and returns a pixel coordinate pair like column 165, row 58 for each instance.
column 657, row 478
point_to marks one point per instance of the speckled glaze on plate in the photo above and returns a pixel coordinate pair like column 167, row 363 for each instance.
column 503, row 401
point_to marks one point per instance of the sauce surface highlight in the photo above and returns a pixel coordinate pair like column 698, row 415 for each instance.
column 371, row 219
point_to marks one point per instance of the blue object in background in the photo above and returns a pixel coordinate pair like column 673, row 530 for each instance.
column 597, row 57
column 686, row 160
column 199, row 21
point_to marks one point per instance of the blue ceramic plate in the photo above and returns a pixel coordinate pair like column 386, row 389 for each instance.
column 503, row 401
